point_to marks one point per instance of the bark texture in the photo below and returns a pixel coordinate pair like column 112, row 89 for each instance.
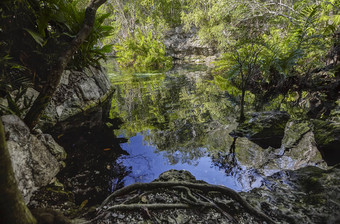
column 54, row 75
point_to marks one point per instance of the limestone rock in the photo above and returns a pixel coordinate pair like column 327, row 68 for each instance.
column 307, row 195
column 185, row 47
column 294, row 131
column 56, row 150
column 33, row 164
column 264, row 128
column 77, row 92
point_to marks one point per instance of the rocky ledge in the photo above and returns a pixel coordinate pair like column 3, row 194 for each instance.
column 307, row 195
column 77, row 92
column 37, row 158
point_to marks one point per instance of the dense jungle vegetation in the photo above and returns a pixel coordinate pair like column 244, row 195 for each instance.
column 267, row 48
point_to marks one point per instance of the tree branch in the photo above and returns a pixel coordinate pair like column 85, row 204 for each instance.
column 54, row 75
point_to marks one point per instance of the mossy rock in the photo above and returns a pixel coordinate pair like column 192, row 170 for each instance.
column 307, row 195
column 327, row 137
column 294, row 132
column 264, row 128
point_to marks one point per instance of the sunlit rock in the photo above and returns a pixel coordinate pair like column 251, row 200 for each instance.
column 294, row 131
column 185, row 47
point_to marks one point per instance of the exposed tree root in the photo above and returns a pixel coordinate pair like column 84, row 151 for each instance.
column 192, row 201
column 152, row 206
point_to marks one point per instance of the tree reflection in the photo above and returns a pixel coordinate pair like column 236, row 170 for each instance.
column 184, row 116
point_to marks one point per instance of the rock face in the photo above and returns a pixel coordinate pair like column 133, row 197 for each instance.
column 33, row 163
column 307, row 195
column 327, row 136
column 264, row 128
column 77, row 92
column 185, row 47
column 252, row 164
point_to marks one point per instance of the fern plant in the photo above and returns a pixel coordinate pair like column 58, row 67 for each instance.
column 142, row 53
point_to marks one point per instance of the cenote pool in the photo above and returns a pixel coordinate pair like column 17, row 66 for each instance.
column 178, row 120
column 181, row 120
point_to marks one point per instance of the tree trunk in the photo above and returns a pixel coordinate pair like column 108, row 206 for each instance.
column 242, row 117
column 12, row 206
column 54, row 75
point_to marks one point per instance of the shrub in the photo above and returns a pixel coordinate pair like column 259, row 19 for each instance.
column 142, row 53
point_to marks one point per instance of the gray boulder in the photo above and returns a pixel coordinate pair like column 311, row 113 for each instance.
column 33, row 163
column 77, row 92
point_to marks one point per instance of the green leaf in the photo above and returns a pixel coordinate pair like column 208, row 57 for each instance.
column 36, row 36
column 107, row 48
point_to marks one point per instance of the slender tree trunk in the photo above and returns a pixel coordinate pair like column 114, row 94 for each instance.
column 242, row 117
column 243, row 89
column 54, row 75
column 12, row 206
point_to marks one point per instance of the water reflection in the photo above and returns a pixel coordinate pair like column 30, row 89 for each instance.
column 148, row 163
column 182, row 120
column 178, row 120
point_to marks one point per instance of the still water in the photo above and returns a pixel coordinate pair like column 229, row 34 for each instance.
column 179, row 120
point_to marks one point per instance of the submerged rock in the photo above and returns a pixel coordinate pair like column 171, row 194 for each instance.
column 176, row 175
column 33, row 163
column 264, row 128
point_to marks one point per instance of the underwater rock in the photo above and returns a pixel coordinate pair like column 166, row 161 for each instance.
column 33, row 164
column 176, row 175
column 264, row 128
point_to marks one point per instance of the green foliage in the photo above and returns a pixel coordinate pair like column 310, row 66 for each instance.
column 152, row 16
column 142, row 53
column 34, row 32
column 263, row 60
column 13, row 87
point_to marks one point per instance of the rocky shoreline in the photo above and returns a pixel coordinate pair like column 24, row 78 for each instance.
column 300, row 187
column 36, row 157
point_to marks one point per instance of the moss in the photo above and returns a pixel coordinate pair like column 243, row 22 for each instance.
column 326, row 132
